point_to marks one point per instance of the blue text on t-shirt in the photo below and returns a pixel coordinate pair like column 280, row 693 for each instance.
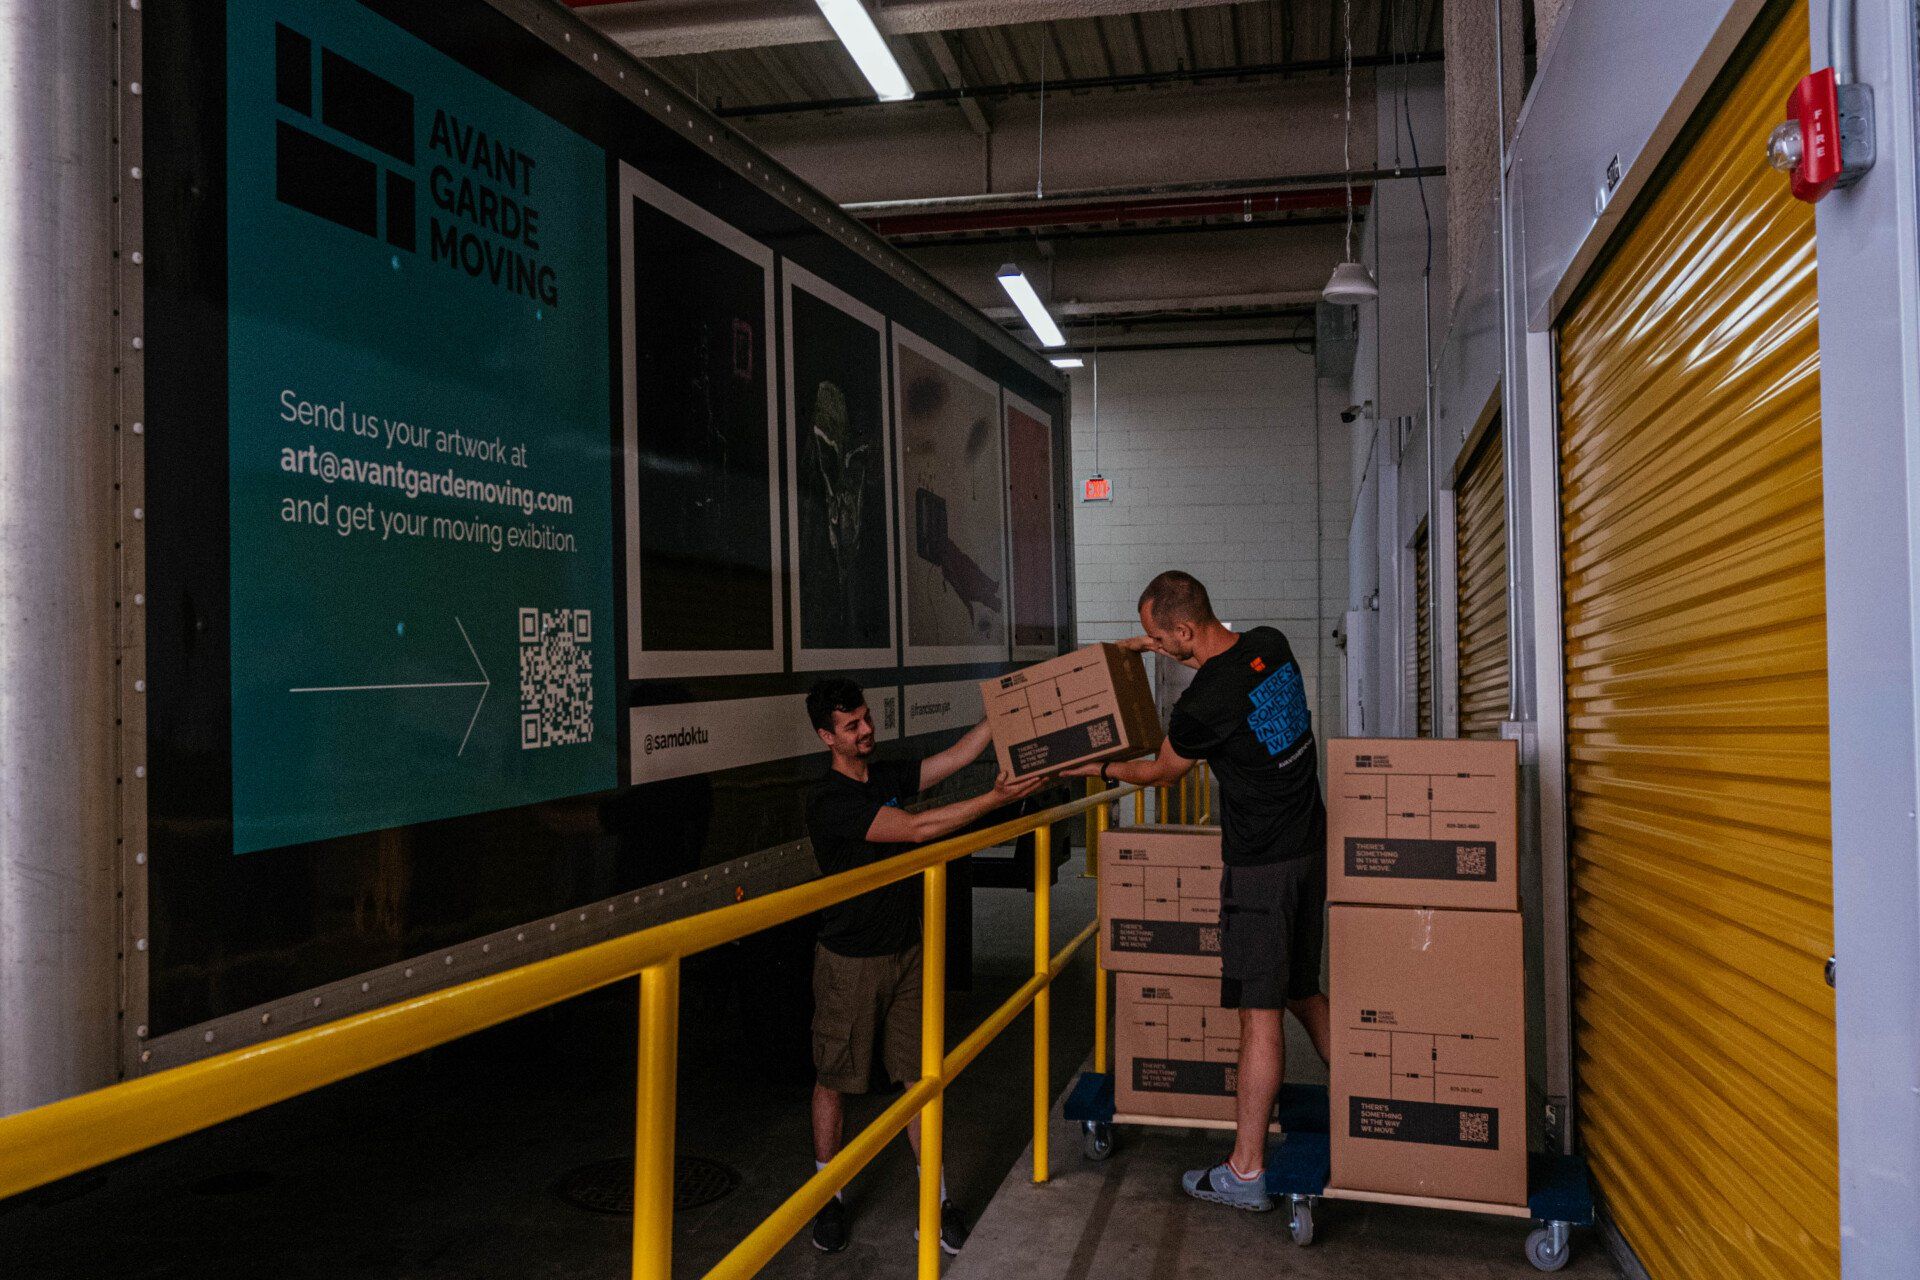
column 1279, row 714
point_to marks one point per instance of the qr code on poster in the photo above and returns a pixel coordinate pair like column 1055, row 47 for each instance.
column 1474, row 1128
column 1470, row 861
column 556, row 677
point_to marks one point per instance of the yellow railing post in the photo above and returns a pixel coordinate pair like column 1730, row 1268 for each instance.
column 933, row 1053
column 1092, row 868
column 1160, row 808
column 1099, row 827
column 654, row 1120
column 1043, row 999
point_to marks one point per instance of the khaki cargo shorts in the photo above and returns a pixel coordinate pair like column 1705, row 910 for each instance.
column 855, row 996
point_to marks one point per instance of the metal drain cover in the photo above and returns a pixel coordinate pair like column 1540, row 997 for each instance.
column 606, row 1186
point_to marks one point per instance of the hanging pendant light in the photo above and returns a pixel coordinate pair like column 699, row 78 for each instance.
column 1351, row 282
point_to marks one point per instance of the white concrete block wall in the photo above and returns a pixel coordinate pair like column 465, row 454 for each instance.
column 1229, row 463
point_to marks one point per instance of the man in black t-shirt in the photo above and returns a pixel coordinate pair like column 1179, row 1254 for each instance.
column 866, row 972
column 1246, row 715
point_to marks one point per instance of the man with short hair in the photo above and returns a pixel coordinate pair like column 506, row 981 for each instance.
column 866, row 972
column 1246, row 715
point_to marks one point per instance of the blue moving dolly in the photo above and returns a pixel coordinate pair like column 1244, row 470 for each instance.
column 1559, row 1199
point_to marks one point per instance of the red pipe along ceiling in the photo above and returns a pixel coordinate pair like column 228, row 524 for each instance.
column 1069, row 215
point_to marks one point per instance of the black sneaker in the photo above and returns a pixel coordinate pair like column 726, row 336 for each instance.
column 830, row 1227
column 953, row 1227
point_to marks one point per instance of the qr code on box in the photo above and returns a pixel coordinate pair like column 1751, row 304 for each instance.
column 1209, row 940
column 1470, row 861
column 556, row 678
column 1100, row 734
column 1475, row 1129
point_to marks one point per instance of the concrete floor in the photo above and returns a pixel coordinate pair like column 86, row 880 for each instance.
column 442, row 1167
column 1127, row 1219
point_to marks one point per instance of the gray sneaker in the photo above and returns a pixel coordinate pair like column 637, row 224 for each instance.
column 1222, row 1186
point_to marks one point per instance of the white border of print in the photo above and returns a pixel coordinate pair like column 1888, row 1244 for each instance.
column 805, row 659
column 934, row 655
column 644, row 664
column 1010, row 402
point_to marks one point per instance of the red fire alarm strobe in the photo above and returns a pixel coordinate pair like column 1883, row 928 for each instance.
column 1099, row 489
column 1827, row 139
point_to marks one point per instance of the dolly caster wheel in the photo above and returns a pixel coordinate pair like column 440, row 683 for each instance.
column 1300, row 1225
column 1096, row 1139
column 1548, row 1248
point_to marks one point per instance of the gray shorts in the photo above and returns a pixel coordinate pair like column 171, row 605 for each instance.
column 1273, row 924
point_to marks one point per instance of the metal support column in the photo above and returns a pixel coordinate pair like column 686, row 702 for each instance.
column 59, row 935
column 1869, row 280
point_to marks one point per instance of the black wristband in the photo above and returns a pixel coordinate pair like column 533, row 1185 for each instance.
column 1104, row 775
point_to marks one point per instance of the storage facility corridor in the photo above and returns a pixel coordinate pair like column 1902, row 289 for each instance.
column 857, row 639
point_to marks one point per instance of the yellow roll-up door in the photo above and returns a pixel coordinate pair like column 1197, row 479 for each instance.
column 1423, row 633
column 1480, row 519
column 1697, row 711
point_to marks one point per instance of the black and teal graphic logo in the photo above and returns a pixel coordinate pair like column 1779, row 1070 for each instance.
column 312, row 171
column 350, row 158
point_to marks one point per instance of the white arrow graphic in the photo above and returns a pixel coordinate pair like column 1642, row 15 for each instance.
column 483, row 684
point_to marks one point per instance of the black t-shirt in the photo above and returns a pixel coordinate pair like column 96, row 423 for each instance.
column 1246, row 715
column 840, row 812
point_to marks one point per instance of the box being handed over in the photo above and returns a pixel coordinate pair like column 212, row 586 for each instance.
column 1089, row 705
column 1423, row 822
column 1429, row 1053
column 1176, row 1051
column 1160, row 900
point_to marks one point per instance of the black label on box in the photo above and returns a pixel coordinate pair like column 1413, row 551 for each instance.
column 1049, row 751
column 1437, row 1124
column 1165, row 937
column 1177, row 1075
column 1422, row 859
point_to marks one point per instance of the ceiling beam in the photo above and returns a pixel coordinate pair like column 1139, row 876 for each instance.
column 949, row 68
column 659, row 28
column 964, row 92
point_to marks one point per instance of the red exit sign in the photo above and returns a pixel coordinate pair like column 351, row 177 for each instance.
column 1099, row 489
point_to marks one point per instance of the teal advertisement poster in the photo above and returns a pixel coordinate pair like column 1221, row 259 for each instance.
column 420, row 468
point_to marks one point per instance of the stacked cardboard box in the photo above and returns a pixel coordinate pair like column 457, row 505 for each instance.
column 1176, row 1051
column 1160, row 900
column 1428, row 974
column 1089, row 705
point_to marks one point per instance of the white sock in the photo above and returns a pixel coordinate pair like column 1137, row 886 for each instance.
column 818, row 1165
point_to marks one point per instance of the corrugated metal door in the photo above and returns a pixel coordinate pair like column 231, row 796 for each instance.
column 1480, row 519
column 1423, row 634
column 1697, row 712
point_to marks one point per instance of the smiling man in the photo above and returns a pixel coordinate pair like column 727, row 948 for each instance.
column 1246, row 715
column 866, row 971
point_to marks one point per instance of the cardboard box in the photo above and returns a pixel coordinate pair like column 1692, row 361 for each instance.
column 1429, row 1053
column 1160, row 900
column 1176, row 1052
column 1423, row 822
column 1089, row 705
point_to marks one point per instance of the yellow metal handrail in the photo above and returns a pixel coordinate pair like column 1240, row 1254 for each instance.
column 63, row 1138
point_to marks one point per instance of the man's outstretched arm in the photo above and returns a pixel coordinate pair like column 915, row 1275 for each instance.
column 896, row 826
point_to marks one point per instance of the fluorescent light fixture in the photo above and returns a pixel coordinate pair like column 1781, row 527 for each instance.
column 854, row 25
column 1069, row 362
column 1015, row 282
